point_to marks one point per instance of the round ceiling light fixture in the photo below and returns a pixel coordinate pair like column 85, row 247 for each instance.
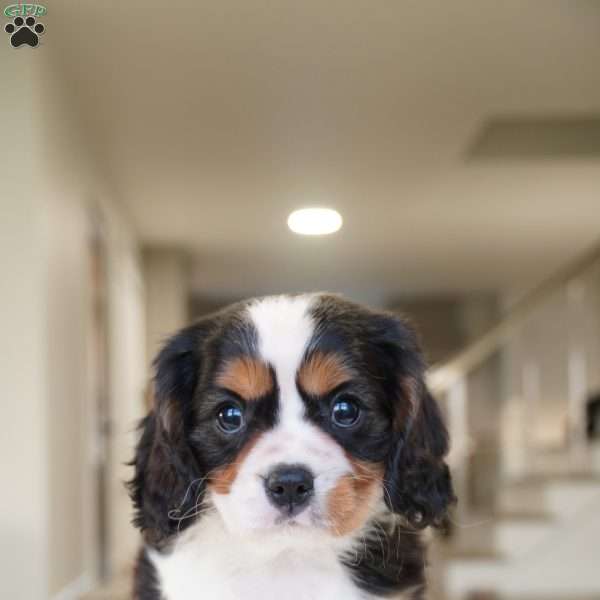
column 315, row 221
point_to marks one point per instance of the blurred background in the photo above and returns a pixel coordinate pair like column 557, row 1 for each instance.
column 150, row 156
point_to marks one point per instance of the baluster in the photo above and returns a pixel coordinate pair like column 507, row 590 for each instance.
column 577, row 371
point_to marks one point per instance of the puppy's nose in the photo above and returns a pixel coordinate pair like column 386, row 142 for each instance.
column 290, row 487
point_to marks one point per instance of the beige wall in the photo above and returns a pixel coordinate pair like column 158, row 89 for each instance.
column 48, row 446
column 23, row 443
column 74, row 190
column 167, row 287
column 128, row 377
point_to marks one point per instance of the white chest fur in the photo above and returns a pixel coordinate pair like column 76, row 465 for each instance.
column 209, row 563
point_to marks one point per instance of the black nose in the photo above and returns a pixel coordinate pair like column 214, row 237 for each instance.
column 290, row 487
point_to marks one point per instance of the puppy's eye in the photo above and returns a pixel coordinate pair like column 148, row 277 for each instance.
column 345, row 411
column 230, row 418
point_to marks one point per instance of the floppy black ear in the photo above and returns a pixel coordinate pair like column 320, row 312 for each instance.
column 168, row 482
column 417, row 479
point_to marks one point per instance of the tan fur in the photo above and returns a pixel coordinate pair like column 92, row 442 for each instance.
column 222, row 479
column 322, row 373
column 248, row 377
column 349, row 502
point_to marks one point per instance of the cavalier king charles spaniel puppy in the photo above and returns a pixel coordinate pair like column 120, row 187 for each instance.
column 293, row 453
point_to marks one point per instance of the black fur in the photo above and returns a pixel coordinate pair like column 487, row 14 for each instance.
column 593, row 417
column 417, row 478
column 390, row 559
column 179, row 445
column 168, row 480
column 145, row 582
column 401, row 430
column 405, row 428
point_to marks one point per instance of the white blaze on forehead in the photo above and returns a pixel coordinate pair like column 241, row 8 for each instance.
column 284, row 328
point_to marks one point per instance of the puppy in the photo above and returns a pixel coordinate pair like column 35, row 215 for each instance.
column 293, row 453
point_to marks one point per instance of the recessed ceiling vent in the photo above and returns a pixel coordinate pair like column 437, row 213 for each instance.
column 529, row 138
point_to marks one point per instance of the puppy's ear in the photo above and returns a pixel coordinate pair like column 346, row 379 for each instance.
column 418, row 482
column 168, row 482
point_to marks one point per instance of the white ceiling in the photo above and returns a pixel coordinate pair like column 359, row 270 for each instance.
column 214, row 119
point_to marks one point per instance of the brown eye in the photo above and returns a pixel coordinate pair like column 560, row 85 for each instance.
column 230, row 418
column 345, row 411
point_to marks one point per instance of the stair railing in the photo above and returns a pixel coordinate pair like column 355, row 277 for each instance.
column 576, row 288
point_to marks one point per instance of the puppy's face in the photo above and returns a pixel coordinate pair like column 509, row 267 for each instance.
column 298, row 406
column 304, row 411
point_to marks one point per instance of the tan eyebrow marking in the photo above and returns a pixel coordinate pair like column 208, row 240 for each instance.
column 322, row 373
column 247, row 377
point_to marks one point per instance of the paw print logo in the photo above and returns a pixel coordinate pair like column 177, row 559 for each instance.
column 24, row 31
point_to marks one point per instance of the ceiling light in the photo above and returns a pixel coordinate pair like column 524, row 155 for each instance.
column 315, row 221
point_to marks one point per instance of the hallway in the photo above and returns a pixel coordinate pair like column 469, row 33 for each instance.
column 152, row 157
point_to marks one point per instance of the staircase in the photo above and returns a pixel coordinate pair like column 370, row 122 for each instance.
column 536, row 536
column 542, row 543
